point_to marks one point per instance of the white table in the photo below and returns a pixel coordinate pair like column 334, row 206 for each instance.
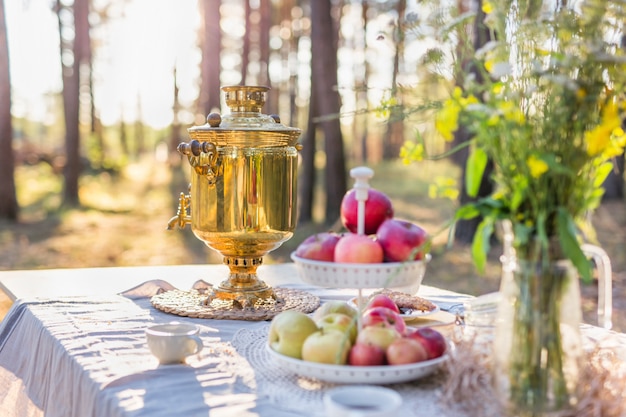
column 71, row 346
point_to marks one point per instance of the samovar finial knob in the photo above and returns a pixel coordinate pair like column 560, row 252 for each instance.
column 214, row 119
column 245, row 99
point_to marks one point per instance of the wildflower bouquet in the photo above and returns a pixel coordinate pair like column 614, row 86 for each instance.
column 547, row 110
column 545, row 106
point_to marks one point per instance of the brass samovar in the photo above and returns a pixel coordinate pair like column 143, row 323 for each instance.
column 242, row 196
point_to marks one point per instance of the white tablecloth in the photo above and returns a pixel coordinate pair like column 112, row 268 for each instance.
column 87, row 356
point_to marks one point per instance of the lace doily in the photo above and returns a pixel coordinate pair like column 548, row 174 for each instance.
column 302, row 395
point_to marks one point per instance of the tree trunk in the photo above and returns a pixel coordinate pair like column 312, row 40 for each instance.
column 324, row 82
column 306, row 182
column 245, row 50
column 265, row 26
column 211, row 66
column 175, row 128
column 71, row 90
column 8, row 200
column 362, row 99
column 614, row 183
column 292, row 53
column 465, row 229
column 394, row 135
column 140, row 134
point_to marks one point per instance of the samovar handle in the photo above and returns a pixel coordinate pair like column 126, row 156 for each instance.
column 202, row 157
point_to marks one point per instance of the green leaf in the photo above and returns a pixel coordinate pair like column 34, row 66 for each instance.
column 519, row 191
column 474, row 170
column 481, row 243
column 466, row 212
column 571, row 246
column 602, row 172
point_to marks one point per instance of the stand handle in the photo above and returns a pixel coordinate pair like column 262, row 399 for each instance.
column 361, row 177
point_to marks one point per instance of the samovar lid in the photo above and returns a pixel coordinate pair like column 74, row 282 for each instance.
column 245, row 125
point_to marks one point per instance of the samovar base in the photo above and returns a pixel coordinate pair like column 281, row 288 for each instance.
column 243, row 287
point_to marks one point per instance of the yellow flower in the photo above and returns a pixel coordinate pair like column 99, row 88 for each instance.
column 487, row 7
column 493, row 120
column 537, row 166
column 619, row 137
column 411, row 152
column 512, row 112
column 616, row 145
column 598, row 139
column 471, row 99
column 610, row 115
column 447, row 119
column 497, row 89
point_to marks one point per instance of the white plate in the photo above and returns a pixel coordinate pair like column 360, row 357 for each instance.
column 347, row 275
column 346, row 374
column 407, row 314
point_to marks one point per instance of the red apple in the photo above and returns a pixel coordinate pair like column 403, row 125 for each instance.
column 377, row 336
column 361, row 249
column 377, row 208
column 405, row 350
column 383, row 317
column 364, row 354
column 433, row 341
column 400, row 240
column 318, row 247
column 383, row 300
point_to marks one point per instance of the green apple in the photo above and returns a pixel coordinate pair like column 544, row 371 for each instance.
column 340, row 322
column 334, row 306
column 288, row 330
column 327, row 346
column 378, row 336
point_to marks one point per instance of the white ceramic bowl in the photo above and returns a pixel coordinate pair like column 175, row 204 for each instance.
column 404, row 276
column 346, row 374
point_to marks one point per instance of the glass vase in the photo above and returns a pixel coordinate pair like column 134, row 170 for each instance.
column 538, row 344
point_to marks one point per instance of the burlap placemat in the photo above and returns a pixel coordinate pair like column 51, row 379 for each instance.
column 191, row 303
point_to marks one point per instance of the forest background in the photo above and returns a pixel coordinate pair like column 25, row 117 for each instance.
column 95, row 95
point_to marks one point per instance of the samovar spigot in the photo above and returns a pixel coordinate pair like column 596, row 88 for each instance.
column 182, row 217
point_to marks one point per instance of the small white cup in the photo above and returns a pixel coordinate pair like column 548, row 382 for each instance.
column 362, row 401
column 173, row 342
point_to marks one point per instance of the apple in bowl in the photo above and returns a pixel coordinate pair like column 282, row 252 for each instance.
column 432, row 340
column 327, row 346
column 378, row 208
column 404, row 351
column 288, row 331
column 319, row 247
column 401, row 240
column 360, row 249
column 383, row 317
